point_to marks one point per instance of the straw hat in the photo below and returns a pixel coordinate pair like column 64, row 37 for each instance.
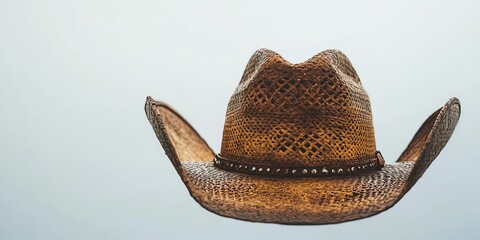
column 298, row 146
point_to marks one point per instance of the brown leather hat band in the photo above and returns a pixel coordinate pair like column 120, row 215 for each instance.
column 319, row 171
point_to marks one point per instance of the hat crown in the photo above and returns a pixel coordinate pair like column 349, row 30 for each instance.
column 308, row 114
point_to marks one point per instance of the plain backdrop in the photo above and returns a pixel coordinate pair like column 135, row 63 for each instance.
column 79, row 160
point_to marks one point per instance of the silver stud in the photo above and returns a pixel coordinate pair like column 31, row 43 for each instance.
column 219, row 162
column 246, row 166
column 314, row 171
column 340, row 170
column 353, row 169
column 260, row 169
column 324, row 170
column 294, row 171
column 239, row 166
column 304, row 171
column 364, row 166
column 359, row 167
column 278, row 170
column 253, row 168
column 333, row 170
column 231, row 164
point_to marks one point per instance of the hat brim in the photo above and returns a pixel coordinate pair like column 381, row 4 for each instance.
column 296, row 200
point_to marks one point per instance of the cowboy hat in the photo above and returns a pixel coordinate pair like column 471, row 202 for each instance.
column 298, row 146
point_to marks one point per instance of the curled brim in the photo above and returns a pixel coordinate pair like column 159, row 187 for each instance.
column 296, row 200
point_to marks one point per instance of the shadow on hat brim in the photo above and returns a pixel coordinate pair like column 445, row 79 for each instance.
column 296, row 200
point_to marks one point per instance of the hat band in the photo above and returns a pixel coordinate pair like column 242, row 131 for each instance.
column 319, row 171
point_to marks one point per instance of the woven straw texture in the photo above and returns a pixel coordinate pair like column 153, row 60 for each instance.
column 298, row 200
column 308, row 114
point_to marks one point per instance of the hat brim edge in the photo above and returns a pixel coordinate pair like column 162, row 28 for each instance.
column 158, row 124
column 430, row 139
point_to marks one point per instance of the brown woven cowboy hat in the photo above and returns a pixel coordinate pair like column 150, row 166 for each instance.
column 298, row 146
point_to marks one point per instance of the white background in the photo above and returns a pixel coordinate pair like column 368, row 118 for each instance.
column 79, row 160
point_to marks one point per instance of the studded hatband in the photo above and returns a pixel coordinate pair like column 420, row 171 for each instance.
column 284, row 171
